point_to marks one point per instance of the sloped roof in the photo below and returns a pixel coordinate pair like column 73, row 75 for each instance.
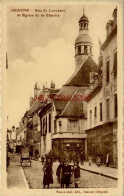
column 36, row 105
column 83, row 38
column 54, row 91
column 59, row 101
column 76, row 107
column 83, row 18
column 81, row 76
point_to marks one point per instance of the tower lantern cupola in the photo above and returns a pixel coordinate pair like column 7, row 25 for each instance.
column 83, row 43
column 83, row 22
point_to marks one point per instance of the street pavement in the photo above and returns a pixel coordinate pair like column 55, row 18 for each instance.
column 34, row 175
column 15, row 174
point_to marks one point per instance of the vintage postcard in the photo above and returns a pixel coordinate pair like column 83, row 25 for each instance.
column 61, row 98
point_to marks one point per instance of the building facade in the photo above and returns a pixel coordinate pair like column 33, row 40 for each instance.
column 102, row 105
column 110, row 111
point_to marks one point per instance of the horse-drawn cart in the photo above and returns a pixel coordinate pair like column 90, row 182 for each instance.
column 25, row 156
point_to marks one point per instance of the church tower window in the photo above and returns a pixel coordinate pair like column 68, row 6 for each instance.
column 90, row 50
column 85, row 49
column 79, row 49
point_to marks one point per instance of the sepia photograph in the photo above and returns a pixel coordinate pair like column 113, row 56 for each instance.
column 62, row 97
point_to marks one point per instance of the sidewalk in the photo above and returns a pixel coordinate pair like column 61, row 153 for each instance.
column 15, row 175
column 102, row 170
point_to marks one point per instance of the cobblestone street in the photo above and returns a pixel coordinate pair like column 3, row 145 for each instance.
column 34, row 175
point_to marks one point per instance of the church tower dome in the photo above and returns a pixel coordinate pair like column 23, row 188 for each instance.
column 83, row 43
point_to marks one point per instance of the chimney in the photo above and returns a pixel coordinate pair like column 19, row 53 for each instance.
column 37, row 91
column 52, row 85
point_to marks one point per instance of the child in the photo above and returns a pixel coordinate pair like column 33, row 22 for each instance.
column 76, row 171
column 90, row 160
column 98, row 161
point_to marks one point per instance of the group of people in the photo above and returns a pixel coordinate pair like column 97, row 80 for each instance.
column 100, row 159
column 65, row 173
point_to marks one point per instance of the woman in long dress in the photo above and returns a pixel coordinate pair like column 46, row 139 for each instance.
column 67, row 174
column 48, row 174
column 60, row 174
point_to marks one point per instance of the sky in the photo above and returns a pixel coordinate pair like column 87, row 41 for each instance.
column 41, row 49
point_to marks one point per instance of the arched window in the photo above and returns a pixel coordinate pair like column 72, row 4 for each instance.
column 90, row 49
column 82, row 25
column 79, row 49
column 85, row 49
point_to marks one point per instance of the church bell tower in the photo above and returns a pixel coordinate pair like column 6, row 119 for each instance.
column 83, row 43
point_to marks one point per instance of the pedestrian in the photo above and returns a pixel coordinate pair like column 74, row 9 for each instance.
column 31, row 153
column 82, row 158
column 48, row 174
column 101, row 156
column 67, row 174
column 74, row 156
column 76, row 173
column 60, row 173
column 61, row 155
column 90, row 160
column 42, row 159
column 107, row 159
column 67, row 156
column 98, row 161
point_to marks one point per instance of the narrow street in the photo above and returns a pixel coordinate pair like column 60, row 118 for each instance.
column 34, row 176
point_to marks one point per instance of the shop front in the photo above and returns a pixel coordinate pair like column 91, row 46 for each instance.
column 100, row 141
column 68, row 147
